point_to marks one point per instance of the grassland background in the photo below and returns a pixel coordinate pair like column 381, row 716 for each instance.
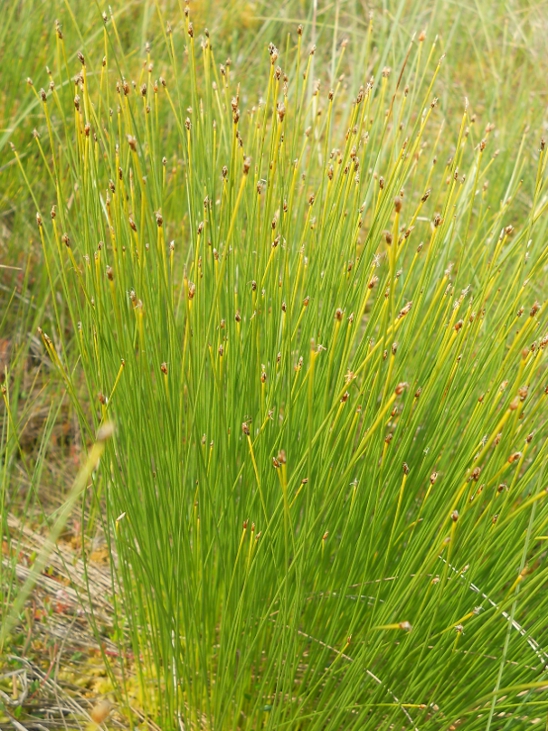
column 496, row 57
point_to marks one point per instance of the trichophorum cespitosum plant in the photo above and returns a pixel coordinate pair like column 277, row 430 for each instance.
column 320, row 335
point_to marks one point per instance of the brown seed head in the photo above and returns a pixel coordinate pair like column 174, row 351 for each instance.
column 405, row 310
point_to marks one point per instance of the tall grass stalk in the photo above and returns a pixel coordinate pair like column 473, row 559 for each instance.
column 318, row 329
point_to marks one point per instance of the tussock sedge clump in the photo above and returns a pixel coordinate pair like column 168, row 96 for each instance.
column 320, row 333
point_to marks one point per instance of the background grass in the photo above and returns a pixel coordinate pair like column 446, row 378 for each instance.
column 271, row 620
